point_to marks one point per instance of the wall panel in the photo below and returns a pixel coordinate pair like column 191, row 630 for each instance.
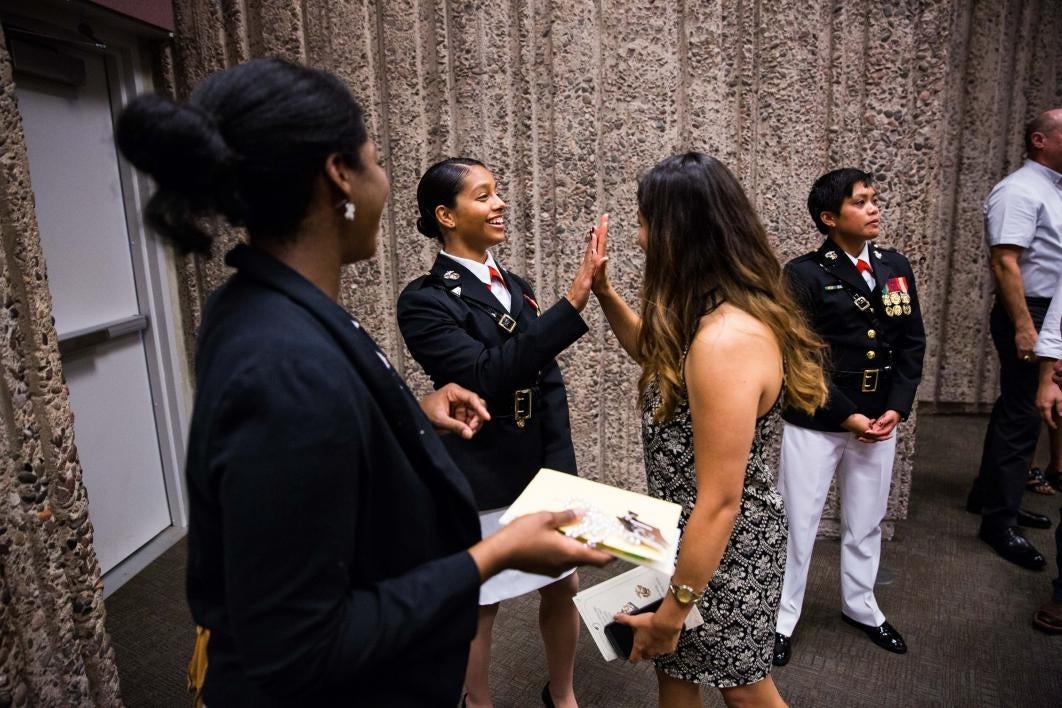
column 569, row 102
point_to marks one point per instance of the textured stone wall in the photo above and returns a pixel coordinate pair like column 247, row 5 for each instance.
column 569, row 102
column 54, row 650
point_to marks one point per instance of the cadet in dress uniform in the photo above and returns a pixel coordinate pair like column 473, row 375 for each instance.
column 861, row 299
column 471, row 322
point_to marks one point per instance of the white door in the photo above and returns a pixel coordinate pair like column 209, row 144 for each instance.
column 81, row 211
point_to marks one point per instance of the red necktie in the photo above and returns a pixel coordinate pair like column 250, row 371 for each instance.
column 495, row 275
column 864, row 267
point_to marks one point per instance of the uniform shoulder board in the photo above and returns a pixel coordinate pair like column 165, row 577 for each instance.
column 804, row 258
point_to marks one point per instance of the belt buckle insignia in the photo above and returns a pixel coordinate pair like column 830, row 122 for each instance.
column 870, row 380
column 522, row 401
column 507, row 323
column 862, row 303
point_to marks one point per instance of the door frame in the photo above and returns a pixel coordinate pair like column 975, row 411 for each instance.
column 155, row 273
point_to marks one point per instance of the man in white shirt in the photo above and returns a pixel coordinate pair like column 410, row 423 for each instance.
column 1023, row 228
column 1048, row 617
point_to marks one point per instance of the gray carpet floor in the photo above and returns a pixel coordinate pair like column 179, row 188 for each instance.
column 963, row 611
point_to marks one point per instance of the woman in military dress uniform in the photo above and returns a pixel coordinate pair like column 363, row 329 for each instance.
column 471, row 322
column 861, row 299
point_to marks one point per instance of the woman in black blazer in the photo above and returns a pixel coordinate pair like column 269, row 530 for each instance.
column 333, row 549
column 470, row 322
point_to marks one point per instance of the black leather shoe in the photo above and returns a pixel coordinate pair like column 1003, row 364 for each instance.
column 547, row 699
column 1031, row 520
column 884, row 635
column 1014, row 547
column 782, row 649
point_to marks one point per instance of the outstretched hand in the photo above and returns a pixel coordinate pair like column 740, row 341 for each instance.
column 453, row 409
column 534, row 544
column 593, row 262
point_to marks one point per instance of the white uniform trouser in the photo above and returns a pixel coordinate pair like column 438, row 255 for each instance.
column 810, row 459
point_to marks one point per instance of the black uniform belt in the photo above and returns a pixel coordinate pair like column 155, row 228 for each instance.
column 519, row 406
column 868, row 380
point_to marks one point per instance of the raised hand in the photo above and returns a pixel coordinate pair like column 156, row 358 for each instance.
column 601, row 282
column 593, row 261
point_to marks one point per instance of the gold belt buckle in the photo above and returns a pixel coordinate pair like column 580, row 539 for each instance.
column 870, row 380
column 507, row 323
column 522, row 406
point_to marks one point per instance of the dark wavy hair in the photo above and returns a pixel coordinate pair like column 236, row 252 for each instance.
column 440, row 186
column 830, row 190
column 246, row 146
column 706, row 246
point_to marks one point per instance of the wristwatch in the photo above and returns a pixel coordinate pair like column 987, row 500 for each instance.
column 684, row 594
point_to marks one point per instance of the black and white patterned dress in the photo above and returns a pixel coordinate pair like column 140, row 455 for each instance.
column 733, row 647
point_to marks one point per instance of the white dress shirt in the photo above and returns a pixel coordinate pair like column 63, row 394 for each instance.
column 481, row 271
column 1025, row 209
column 1049, row 343
column 868, row 275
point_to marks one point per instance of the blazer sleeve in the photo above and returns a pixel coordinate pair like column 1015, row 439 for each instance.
column 434, row 333
column 908, row 352
column 838, row 405
column 291, row 453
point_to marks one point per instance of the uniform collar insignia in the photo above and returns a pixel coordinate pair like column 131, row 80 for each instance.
column 831, row 255
column 457, row 291
column 877, row 254
column 451, row 275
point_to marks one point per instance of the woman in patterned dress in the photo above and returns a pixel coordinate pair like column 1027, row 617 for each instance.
column 721, row 351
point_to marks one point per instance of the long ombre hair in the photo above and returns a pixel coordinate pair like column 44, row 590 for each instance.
column 705, row 247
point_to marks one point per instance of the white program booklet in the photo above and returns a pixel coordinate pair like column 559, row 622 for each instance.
column 627, row 592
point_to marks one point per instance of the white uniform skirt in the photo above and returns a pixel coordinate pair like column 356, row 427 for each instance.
column 508, row 583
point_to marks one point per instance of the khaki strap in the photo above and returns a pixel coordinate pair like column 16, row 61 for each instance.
column 197, row 667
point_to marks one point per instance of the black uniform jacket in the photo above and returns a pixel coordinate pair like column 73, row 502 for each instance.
column 449, row 319
column 864, row 334
column 327, row 523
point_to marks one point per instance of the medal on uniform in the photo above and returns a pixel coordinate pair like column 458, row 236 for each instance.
column 896, row 297
column 451, row 275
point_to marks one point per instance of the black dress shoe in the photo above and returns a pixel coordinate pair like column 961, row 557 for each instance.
column 1032, row 520
column 1014, row 547
column 884, row 635
column 782, row 650
column 547, row 700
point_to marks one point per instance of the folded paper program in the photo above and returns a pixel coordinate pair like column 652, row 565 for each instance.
column 632, row 526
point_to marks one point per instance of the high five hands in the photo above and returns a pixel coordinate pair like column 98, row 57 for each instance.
column 592, row 267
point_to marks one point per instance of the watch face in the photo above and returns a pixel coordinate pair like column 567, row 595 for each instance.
column 683, row 594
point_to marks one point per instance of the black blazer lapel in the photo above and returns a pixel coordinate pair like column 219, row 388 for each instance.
column 390, row 392
column 517, row 293
column 837, row 263
column 471, row 287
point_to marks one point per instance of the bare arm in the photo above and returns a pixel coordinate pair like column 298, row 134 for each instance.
column 625, row 323
column 1011, row 290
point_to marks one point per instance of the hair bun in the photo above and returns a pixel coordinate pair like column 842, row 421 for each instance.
column 179, row 145
column 429, row 231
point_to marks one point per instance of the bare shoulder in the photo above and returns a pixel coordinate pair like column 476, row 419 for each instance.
column 730, row 331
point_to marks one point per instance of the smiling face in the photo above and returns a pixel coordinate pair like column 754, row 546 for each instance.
column 860, row 216
column 477, row 219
